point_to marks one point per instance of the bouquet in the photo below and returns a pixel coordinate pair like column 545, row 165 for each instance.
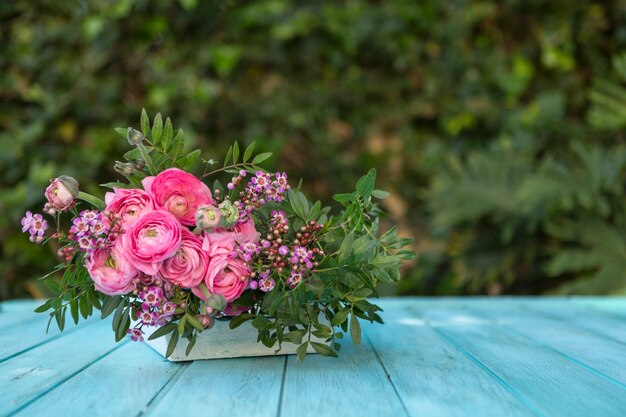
column 165, row 250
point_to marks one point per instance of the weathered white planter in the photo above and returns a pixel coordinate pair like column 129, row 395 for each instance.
column 221, row 342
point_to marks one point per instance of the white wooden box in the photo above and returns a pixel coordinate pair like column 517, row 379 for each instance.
column 221, row 342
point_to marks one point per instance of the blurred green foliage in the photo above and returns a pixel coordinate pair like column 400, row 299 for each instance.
column 475, row 113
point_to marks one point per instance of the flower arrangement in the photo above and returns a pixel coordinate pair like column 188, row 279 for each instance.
column 165, row 250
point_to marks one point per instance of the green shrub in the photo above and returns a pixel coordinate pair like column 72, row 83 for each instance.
column 472, row 111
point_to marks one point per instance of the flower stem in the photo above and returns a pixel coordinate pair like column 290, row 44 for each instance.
column 94, row 201
column 146, row 157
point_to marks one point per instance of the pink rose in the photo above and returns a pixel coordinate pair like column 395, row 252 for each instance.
column 61, row 194
column 111, row 272
column 178, row 192
column 227, row 274
column 188, row 267
column 152, row 239
column 129, row 203
column 240, row 233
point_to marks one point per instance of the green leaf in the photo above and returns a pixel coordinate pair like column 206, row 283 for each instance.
column 188, row 160
column 380, row 194
column 181, row 324
column 110, row 304
column 365, row 185
column 192, row 343
column 344, row 198
column 157, row 129
column 122, row 131
column 229, row 154
column 59, row 316
column 135, row 154
column 323, row 349
column 355, row 330
column 44, row 307
column 145, row 123
column 194, row 322
column 74, row 310
column 168, row 134
column 340, row 317
column 248, row 152
column 235, row 152
column 178, row 144
column 240, row 319
column 123, row 325
column 116, row 184
column 261, row 157
column 172, row 344
column 162, row 331
column 301, row 351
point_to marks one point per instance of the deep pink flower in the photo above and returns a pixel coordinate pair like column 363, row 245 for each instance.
column 227, row 274
column 178, row 192
column 188, row 267
column 240, row 233
column 152, row 239
column 130, row 204
column 111, row 272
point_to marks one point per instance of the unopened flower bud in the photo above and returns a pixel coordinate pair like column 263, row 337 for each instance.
column 124, row 168
column 134, row 137
column 229, row 214
column 208, row 217
column 61, row 193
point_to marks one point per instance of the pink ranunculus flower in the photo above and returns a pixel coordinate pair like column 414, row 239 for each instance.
column 152, row 239
column 111, row 272
column 188, row 267
column 178, row 192
column 227, row 274
column 130, row 204
column 61, row 194
column 240, row 233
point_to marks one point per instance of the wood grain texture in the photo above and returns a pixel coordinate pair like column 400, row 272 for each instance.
column 449, row 356
column 354, row 385
column 547, row 382
column 120, row 384
column 432, row 377
column 39, row 370
column 224, row 387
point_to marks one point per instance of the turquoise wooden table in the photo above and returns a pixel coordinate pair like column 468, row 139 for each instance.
column 434, row 357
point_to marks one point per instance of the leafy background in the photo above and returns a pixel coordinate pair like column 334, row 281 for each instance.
column 497, row 126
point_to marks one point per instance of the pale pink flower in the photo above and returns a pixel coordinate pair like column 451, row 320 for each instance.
column 130, row 204
column 188, row 266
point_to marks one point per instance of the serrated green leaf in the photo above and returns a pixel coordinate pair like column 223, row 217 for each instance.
column 261, row 157
column 157, row 129
column 145, row 123
column 122, row 131
column 188, row 160
column 168, row 135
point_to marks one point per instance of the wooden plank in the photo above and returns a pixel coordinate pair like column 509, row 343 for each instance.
column 354, row 385
column 224, row 387
column 43, row 368
column 599, row 354
column 21, row 337
column 120, row 384
column 547, row 382
column 432, row 377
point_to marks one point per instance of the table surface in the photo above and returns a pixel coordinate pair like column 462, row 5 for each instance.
column 433, row 357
